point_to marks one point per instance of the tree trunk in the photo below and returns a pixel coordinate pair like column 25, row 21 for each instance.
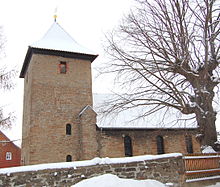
column 206, row 117
column 208, row 131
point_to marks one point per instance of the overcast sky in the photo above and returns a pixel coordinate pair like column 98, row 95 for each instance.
column 26, row 21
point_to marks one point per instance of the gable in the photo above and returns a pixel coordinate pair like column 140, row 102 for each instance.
column 5, row 139
column 87, row 110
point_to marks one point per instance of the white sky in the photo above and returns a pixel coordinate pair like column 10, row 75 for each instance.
column 26, row 21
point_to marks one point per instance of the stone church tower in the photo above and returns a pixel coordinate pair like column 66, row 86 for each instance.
column 57, row 95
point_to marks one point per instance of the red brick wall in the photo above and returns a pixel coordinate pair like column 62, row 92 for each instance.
column 7, row 146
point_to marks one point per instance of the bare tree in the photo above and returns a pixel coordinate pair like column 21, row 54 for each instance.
column 6, row 83
column 166, row 54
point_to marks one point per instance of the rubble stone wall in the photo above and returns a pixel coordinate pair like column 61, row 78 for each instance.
column 167, row 169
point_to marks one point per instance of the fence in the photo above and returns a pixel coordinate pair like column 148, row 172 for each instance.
column 202, row 165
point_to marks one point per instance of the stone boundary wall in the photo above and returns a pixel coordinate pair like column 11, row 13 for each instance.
column 164, row 169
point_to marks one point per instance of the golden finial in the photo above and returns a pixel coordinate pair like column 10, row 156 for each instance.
column 55, row 14
column 55, row 17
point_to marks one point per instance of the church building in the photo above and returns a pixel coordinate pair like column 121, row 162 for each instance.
column 60, row 120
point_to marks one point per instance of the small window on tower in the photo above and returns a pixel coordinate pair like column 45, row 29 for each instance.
column 68, row 129
column 68, row 158
column 63, row 67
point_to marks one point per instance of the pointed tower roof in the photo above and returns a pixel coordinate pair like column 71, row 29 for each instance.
column 59, row 43
column 58, row 39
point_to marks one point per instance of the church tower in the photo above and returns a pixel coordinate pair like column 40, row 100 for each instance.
column 57, row 88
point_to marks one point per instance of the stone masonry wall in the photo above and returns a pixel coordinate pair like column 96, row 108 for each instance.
column 166, row 169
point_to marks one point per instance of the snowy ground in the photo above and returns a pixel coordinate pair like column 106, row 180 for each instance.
column 215, row 185
column 109, row 180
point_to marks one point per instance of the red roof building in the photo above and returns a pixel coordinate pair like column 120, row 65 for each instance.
column 10, row 154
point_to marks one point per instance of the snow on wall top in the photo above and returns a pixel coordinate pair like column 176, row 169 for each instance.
column 58, row 39
column 128, row 119
column 94, row 161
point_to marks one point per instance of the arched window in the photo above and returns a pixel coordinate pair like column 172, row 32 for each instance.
column 68, row 158
column 189, row 145
column 68, row 129
column 128, row 146
column 160, row 145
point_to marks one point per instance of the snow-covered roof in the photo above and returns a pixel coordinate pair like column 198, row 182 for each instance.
column 129, row 119
column 58, row 39
column 57, row 42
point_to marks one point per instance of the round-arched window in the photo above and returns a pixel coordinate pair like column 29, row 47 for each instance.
column 68, row 158
column 128, row 146
column 68, row 129
column 160, row 145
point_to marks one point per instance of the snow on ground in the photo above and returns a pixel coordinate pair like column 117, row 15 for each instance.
column 94, row 161
column 215, row 185
column 109, row 180
column 208, row 149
